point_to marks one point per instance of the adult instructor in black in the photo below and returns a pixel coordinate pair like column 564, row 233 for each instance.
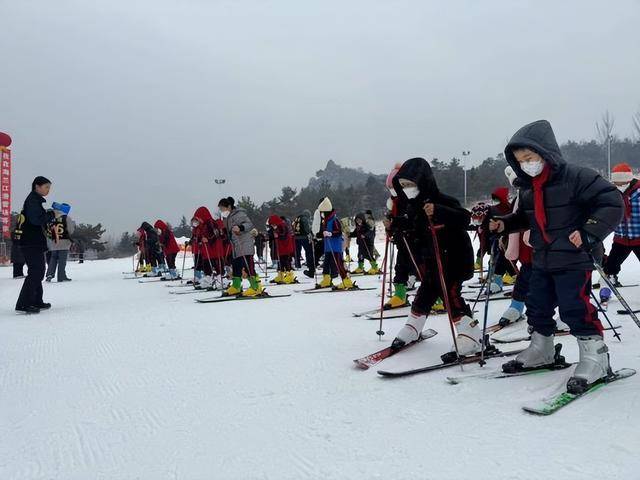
column 34, row 245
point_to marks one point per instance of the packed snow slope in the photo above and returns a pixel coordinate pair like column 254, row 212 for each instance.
column 122, row 380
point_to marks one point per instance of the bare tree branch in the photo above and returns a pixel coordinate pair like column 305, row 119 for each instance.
column 636, row 124
column 604, row 127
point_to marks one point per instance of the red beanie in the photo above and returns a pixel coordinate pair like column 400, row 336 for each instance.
column 621, row 173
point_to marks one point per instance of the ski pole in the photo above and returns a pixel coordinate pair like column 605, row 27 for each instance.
column 380, row 332
column 313, row 256
column 490, row 272
column 392, row 261
column 184, row 258
column 600, row 309
column 616, row 292
column 443, row 285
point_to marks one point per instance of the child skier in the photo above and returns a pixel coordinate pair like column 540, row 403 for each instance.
column 424, row 205
column 170, row 248
column 331, row 231
column 365, row 237
column 152, row 249
column 570, row 209
column 284, row 243
column 241, row 234
column 627, row 233
column 204, row 234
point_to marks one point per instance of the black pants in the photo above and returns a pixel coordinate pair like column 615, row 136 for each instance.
column 243, row 263
column 330, row 268
column 404, row 265
column 18, row 269
column 171, row 260
column 31, row 293
column 568, row 290
column 365, row 251
column 431, row 289
column 304, row 244
column 521, row 288
column 318, row 251
column 617, row 256
column 504, row 266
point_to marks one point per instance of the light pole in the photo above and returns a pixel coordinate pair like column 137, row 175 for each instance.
column 465, row 154
column 220, row 182
column 609, row 154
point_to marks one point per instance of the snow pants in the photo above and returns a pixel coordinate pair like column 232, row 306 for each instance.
column 521, row 288
column 243, row 263
column 171, row 260
column 569, row 290
column 431, row 289
column 617, row 256
column 329, row 266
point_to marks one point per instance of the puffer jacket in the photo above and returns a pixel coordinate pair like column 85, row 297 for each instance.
column 575, row 198
column 628, row 231
column 283, row 235
column 167, row 238
column 456, row 251
column 242, row 243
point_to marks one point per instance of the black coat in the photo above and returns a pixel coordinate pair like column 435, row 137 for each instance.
column 363, row 233
column 575, row 198
column 36, row 220
column 454, row 242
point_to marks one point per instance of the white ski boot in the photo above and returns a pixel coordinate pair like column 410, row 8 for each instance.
column 411, row 330
column 468, row 337
column 593, row 365
column 411, row 282
column 539, row 353
column 205, row 283
column 511, row 315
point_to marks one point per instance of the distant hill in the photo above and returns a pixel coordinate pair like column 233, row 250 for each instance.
column 337, row 176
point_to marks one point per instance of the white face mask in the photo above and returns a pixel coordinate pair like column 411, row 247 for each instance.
column 411, row 192
column 622, row 188
column 392, row 192
column 533, row 169
column 224, row 213
column 495, row 203
column 195, row 223
column 389, row 204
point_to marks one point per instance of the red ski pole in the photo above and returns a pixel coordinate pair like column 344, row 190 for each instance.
column 443, row 285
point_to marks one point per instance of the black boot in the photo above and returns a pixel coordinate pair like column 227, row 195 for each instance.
column 43, row 306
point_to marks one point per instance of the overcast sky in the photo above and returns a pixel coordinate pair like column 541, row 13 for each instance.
column 132, row 108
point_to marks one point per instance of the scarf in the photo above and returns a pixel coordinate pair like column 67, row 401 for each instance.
column 538, row 200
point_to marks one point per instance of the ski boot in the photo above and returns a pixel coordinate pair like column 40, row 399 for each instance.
column 279, row 278
column 359, row 270
column 410, row 332
column 374, row 270
column 539, row 354
column 512, row 314
column 346, row 284
column 411, row 283
column 206, row 283
column 255, row 289
column 593, row 366
column 467, row 340
column 477, row 266
column 235, row 288
column 496, row 285
column 289, row 278
column 438, row 307
column 309, row 273
column 325, row 282
column 508, row 279
column 614, row 279
column 399, row 298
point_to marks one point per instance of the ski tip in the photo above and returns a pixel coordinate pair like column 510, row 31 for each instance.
column 361, row 365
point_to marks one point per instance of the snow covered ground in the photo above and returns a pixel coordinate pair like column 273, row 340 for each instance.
column 121, row 380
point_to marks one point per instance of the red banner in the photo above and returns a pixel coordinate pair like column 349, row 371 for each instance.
column 5, row 192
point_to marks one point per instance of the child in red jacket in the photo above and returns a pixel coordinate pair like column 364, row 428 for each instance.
column 170, row 248
column 207, row 239
column 285, row 249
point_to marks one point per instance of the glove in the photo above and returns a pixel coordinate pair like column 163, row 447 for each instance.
column 327, row 233
column 254, row 232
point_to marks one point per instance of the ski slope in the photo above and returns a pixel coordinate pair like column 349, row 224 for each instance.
column 121, row 380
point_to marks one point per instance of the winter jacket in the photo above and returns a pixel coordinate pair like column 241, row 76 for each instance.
column 283, row 235
column 167, row 238
column 61, row 231
column 456, row 251
column 628, row 231
column 575, row 198
column 211, row 230
column 243, row 242
column 500, row 194
column 364, row 234
column 331, row 224
column 35, row 221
